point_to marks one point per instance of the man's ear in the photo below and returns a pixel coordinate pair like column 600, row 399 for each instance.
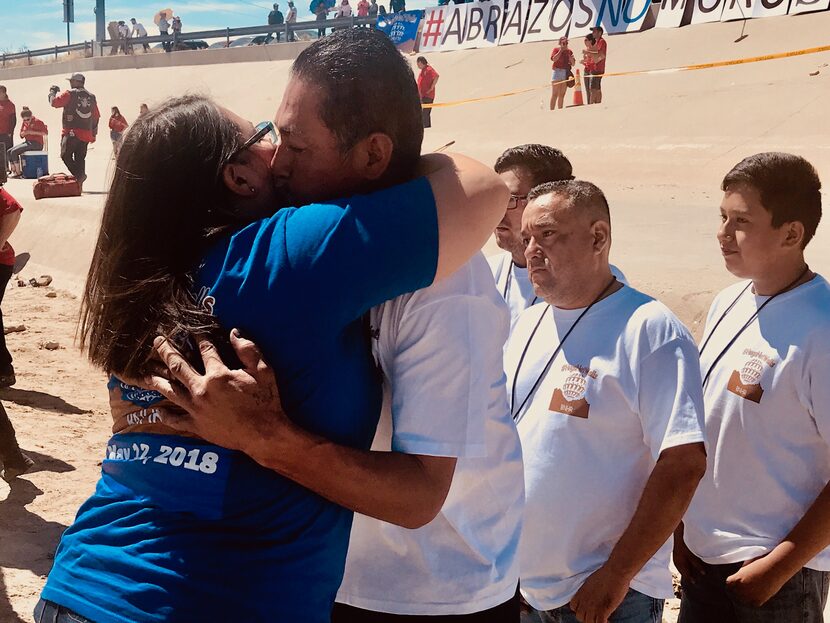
column 372, row 155
column 238, row 178
column 602, row 235
column 794, row 231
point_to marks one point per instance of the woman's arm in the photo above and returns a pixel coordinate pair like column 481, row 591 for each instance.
column 470, row 199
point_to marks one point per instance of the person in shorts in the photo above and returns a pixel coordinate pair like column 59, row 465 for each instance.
column 563, row 59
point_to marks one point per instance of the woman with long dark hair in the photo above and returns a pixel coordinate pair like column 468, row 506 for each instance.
column 180, row 530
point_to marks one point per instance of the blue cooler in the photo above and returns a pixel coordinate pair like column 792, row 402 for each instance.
column 34, row 164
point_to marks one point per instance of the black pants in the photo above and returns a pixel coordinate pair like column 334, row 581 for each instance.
column 426, row 113
column 9, row 450
column 73, row 154
column 6, row 143
column 5, row 355
column 508, row 612
column 321, row 32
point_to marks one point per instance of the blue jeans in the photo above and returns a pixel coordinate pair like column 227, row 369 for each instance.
column 47, row 612
column 635, row 608
column 801, row 599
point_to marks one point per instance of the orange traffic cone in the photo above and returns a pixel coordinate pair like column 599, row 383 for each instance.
column 578, row 90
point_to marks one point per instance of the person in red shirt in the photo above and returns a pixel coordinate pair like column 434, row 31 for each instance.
column 32, row 131
column 8, row 120
column 363, row 8
column 117, row 126
column 427, row 80
column 599, row 52
column 563, row 60
column 14, row 462
column 80, row 124
column 589, row 64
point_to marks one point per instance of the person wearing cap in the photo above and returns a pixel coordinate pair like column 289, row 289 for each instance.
column 80, row 124
column 275, row 18
column 599, row 51
column 32, row 131
column 8, row 120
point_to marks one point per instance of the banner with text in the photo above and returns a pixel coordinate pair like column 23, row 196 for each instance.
column 482, row 24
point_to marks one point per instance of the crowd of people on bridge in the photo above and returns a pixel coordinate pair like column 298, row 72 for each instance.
column 342, row 412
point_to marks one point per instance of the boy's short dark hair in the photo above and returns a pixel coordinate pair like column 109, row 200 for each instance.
column 367, row 86
column 545, row 164
column 789, row 186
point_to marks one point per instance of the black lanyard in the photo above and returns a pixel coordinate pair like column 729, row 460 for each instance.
column 746, row 324
column 508, row 281
column 552, row 357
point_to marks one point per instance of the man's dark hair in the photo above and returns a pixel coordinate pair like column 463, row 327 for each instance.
column 367, row 87
column 422, row 59
column 2, row 89
column 545, row 164
column 789, row 186
column 584, row 196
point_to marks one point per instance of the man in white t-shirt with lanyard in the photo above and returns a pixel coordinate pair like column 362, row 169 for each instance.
column 757, row 532
column 604, row 384
column 521, row 168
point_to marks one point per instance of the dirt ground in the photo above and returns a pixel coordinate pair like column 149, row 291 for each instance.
column 59, row 410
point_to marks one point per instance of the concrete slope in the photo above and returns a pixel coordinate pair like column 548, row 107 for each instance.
column 659, row 144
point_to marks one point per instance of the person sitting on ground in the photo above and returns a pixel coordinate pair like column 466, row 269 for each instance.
column 117, row 126
column 32, row 131
column 220, row 510
column 563, row 60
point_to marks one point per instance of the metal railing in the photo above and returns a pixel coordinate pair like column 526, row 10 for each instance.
column 227, row 33
column 87, row 46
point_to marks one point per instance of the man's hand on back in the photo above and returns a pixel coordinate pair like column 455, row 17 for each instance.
column 236, row 409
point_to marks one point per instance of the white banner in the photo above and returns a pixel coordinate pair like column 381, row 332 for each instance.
column 770, row 8
column 547, row 20
column 671, row 13
column 707, row 11
column 585, row 15
column 806, row 6
column 736, row 9
column 486, row 23
column 483, row 24
column 617, row 16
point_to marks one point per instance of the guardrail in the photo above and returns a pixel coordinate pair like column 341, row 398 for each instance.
column 89, row 46
column 227, row 33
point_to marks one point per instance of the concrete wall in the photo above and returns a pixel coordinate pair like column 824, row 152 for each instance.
column 249, row 54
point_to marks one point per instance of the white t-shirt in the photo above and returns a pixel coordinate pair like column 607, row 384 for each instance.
column 440, row 349
column 139, row 30
column 515, row 287
column 767, row 423
column 624, row 387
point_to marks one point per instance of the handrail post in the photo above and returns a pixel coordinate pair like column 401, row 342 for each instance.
column 228, row 37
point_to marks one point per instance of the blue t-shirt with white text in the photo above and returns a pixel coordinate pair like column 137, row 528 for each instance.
column 179, row 530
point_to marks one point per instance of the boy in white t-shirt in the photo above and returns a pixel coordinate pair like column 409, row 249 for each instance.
column 604, row 383
column 754, row 543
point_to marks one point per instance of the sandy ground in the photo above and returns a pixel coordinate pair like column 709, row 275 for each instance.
column 658, row 146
